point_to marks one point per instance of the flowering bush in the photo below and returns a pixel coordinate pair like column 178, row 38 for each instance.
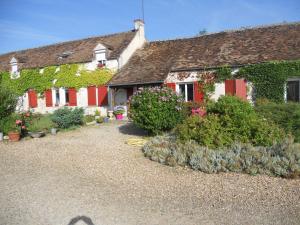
column 228, row 121
column 22, row 122
column 156, row 109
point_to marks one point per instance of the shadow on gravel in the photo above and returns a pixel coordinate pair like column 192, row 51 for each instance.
column 131, row 129
column 85, row 219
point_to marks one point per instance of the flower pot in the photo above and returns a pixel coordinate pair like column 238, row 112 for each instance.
column 36, row 134
column 53, row 131
column 1, row 136
column 119, row 116
column 14, row 136
column 106, row 120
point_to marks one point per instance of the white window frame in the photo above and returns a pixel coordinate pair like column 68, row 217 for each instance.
column 291, row 79
column 185, row 90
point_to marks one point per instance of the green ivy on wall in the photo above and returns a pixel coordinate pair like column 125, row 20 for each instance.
column 68, row 76
column 268, row 78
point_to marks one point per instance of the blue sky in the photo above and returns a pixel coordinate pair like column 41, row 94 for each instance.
column 31, row 23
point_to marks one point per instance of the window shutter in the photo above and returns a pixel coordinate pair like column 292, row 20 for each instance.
column 92, row 96
column 48, row 97
column 72, row 97
column 236, row 87
column 198, row 94
column 230, row 87
column 32, row 97
column 102, row 96
column 241, row 88
column 172, row 86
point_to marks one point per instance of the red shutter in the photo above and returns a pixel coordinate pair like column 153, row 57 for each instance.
column 72, row 97
column 129, row 92
column 241, row 88
column 32, row 97
column 198, row 94
column 102, row 96
column 172, row 86
column 236, row 87
column 92, row 96
column 48, row 97
column 230, row 87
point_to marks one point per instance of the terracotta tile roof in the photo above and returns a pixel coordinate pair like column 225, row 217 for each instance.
column 247, row 46
column 79, row 51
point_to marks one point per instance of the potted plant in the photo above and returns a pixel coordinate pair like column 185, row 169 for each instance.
column 35, row 131
column 118, row 112
column 15, row 134
column 97, row 114
column 53, row 130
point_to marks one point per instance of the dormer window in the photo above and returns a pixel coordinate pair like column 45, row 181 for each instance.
column 100, row 55
column 101, row 64
column 14, row 68
column 65, row 55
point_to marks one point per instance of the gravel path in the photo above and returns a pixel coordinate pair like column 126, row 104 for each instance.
column 91, row 174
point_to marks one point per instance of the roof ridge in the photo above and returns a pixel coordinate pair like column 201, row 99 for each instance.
column 227, row 31
column 64, row 42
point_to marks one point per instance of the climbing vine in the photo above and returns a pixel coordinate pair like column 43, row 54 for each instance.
column 268, row 78
column 68, row 75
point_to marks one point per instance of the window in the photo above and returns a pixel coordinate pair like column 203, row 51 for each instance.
column 187, row 91
column 57, row 97
column 67, row 96
column 293, row 90
column 101, row 63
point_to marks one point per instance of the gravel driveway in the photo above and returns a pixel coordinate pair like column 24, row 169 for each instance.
column 91, row 175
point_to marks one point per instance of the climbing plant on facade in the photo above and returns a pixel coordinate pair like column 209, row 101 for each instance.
column 68, row 76
column 268, row 78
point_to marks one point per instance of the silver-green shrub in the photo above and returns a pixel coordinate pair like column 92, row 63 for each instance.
column 278, row 160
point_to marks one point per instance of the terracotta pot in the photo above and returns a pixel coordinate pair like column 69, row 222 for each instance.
column 14, row 136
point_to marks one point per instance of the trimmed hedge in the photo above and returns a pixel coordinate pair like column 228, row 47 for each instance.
column 286, row 115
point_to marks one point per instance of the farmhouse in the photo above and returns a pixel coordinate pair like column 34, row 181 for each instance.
column 180, row 64
column 185, row 65
column 109, row 52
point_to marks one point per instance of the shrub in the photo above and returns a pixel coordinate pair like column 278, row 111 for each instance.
column 65, row 117
column 8, row 123
column 156, row 109
column 278, row 160
column 286, row 115
column 228, row 121
column 189, row 106
column 89, row 118
column 8, row 102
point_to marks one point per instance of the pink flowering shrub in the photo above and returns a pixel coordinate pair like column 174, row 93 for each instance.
column 156, row 109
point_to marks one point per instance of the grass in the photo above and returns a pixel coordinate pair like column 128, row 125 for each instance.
column 41, row 123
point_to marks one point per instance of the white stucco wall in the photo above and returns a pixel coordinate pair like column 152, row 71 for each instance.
column 190, row 77
column 137, row 42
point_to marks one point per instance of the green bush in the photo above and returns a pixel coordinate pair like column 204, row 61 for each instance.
column 286, row 115
column 66, row 118
column 278, row 160
column 156, row 109
column 228, row 121
column 8, row 102
column 8, row 123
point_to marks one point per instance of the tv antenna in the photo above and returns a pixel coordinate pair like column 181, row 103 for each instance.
column 143, row 11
